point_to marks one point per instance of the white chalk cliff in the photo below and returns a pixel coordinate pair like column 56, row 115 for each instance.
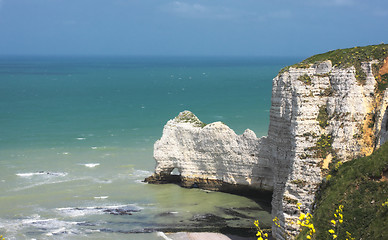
column 212, row 152
column 320, row 114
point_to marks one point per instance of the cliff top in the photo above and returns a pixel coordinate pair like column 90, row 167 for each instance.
column 189, row 117
column 348, row 57
column 351, row 56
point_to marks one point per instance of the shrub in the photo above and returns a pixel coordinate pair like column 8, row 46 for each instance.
column 323, row 117
column 305, row 78
column 358, row 185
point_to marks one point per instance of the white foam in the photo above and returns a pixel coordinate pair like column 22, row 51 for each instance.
column 42, row 173
column 58, row 231
column 94, row 210
column 91, row 165
column 140, row 181
column 26, row 175
column 101, row 197
column 52, row 225
column 80, row 138
column 141, row 173
column 45, row 226
column 161, row 234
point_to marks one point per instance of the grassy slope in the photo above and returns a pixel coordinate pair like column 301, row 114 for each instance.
column 357, row 185
column 345, row 58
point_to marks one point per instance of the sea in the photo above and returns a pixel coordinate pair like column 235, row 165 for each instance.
column 77, row 136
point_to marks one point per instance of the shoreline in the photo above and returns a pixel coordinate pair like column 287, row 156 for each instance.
column 201, row 236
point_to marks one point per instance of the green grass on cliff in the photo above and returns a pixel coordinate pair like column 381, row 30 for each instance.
column 351, row 56
column 189, row 117
column 361, row 186
column 345, row 58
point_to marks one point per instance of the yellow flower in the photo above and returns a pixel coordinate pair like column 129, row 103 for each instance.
column 308, row 237
column 331, row 231
column 302, row 216
column 334, row 236
column 333, row 222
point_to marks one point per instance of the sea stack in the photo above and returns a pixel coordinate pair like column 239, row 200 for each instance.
column 211, row 156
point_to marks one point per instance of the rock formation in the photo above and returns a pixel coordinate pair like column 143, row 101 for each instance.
column 329, row 108
column 210, row 156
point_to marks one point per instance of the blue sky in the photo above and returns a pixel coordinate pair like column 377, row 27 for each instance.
column 189, row 27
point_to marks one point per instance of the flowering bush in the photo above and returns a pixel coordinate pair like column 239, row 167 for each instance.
column 260, row 234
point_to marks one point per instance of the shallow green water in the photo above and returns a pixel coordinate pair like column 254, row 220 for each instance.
column 77, row 136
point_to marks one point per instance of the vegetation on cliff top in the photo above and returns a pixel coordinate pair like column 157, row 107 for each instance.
column 361, row 186
column 345, row 58
column 189, row 117
column 351, row 56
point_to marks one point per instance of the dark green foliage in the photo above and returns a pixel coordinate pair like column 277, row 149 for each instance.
column 359, row 186
column 323, row 117
column 351, row 56
column 189, row 117
column 323, row 147
column 305, row 78
column 383, row 83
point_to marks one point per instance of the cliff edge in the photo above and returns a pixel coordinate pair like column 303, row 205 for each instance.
column 331, row 107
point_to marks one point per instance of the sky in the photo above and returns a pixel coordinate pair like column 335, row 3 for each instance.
column 189, row 27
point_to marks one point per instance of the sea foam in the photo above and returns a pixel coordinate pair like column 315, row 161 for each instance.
column 41, row 173
column 91, row 165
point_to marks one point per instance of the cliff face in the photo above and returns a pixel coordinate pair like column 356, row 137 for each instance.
column 320, row 114
column 211, row 156
column 329, row 108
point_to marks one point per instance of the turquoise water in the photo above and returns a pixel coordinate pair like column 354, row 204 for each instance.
column 76, row 139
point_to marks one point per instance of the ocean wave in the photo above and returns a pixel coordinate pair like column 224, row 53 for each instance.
column 99, row 210
column 90, row 165
column 48, row 179
column 141, row 173
column 101, row 197
column 45, row 226
column 42, row 173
